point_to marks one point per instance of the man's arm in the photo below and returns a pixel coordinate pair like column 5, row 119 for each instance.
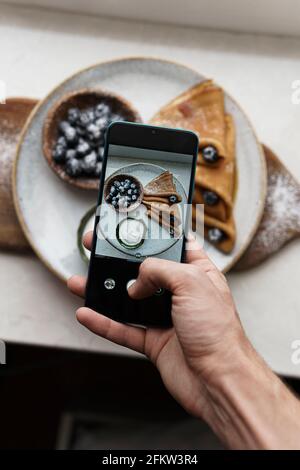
column 206, row 361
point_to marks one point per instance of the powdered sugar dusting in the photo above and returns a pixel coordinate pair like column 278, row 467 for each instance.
column 281, row 220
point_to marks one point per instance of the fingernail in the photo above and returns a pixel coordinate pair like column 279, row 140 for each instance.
column 130, row 283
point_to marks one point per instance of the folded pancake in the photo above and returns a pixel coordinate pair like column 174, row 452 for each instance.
column 226, row 243
column 167, row 216
column 220, row 180
column 200, row 109
column 163, row 187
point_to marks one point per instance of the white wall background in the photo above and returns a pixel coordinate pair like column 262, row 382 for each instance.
column 263, row 16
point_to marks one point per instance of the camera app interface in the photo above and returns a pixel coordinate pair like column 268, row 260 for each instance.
column 144, row 202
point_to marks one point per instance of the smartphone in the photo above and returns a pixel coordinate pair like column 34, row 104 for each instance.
column 146, row 189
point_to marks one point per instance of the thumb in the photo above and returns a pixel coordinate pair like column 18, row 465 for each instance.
column 155, row 273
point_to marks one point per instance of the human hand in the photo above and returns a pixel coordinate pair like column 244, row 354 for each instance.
column 206, row 333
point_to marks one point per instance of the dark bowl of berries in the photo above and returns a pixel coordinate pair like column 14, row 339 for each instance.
column 123, row 192
column 74, row 130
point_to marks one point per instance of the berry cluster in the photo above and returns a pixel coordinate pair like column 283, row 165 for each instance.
column 123, row 193
column 80, row 143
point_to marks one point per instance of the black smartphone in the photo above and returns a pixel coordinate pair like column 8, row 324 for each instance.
column 145, row 193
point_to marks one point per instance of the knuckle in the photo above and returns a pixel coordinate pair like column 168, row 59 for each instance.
column 146, row 267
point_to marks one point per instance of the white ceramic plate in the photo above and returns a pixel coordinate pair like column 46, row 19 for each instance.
column 50, row 210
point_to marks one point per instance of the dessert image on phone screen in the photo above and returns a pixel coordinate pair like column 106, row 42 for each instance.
column 143, row 206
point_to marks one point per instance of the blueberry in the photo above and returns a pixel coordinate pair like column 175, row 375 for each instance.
column 210, row 198
column 98, row 169
column 133, row 197
column 117, row 183
column 101, row 110
column 127, row 181
column 126, row 186
column 173, row 199
column 100, row 154
column 80, row 131
column 122, row 183
column 58, row 154
column 108, row 198
column 121, row 188
column 114, row 202
column 133, row 185
column 129, row 192
column 112, row 189
column 215, row 235
column 135, row 191
column 86, row 117
column 73, row 167
column 71, row 153
column 93, row 131
column 71, row 135
column 63, row 125
column 83, row 148
column 62, row 141
column 116, row 117
column 89, row 163
column 73, row 115
column 101, row 123
column 210, row 154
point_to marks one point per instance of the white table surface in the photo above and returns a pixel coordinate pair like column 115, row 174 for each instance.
column 41, row 48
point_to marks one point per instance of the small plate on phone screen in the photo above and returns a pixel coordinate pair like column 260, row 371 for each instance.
column 144, row 172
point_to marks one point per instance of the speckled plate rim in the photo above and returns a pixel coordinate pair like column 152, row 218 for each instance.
column 263, row 182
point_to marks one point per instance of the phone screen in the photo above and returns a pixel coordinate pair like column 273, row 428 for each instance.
column 144, row 204
column 143, row 211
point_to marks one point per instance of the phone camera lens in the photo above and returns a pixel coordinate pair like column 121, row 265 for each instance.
column 109, row 284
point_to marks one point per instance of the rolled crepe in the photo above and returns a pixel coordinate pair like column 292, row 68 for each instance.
column 167, row 216
column 200, row 109
column 228, row 228
column 220, row 180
